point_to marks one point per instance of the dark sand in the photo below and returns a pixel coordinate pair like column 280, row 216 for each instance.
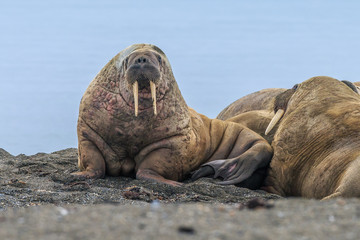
column 39, row 199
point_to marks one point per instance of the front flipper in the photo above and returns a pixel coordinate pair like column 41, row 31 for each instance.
column 89, row 174
column 148, row 174
column 91, row 162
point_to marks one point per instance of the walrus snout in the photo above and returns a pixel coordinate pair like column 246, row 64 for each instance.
column 143, row 73
column 141, row 60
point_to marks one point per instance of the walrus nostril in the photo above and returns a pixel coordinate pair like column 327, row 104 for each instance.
column 141, row 60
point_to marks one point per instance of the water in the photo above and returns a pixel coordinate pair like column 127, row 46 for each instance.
column 219, row 51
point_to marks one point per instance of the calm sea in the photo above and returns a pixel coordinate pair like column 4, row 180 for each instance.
column 219, row 51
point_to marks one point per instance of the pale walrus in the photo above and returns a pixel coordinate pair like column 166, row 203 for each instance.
column 133, row 121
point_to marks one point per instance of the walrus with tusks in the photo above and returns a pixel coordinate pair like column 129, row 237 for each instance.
column 314, row 132
column 256, row 110
column 133, row 121
column 317, row 142
column 315, row 138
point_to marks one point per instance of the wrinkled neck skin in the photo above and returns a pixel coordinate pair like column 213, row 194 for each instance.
column 113, row 101
column 316, row 140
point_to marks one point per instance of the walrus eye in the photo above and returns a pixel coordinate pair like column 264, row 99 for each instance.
column 159, row 59
column 295, row 86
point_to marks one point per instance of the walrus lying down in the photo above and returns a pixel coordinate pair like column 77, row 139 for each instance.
column 315, row 140
column 317, row 143
column 315, row 135
column 133, row 121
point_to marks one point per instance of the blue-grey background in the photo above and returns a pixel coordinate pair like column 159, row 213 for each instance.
column 219, row 51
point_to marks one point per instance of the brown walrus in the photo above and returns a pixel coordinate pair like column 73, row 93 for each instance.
column 317, row 140
column 317, row 143
column 256, row 110
column 133, row 121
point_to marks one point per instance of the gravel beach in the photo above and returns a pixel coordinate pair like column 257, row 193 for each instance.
column 39, row 199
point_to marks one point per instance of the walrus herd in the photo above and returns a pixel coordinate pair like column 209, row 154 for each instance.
column 304, row 141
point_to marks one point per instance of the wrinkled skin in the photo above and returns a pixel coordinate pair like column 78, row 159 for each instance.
column 317, row 142
column 165, row 140
column 256, row 110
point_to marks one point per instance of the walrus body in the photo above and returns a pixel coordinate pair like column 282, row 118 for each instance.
column 133, row 121
column 317, row 143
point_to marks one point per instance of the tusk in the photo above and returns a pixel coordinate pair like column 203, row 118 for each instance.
column 136, row 97
column 274, row 120
column 153, row 95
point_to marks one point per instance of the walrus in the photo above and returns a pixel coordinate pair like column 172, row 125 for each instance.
column 317, row 143
column 134, row 122
column 259, row 119
column 256, row 110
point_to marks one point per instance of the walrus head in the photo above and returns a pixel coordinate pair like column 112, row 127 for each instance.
column 282, row 100
column 137, row 93
column 145, row 71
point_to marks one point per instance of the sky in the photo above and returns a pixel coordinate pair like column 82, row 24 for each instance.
column 219, row 52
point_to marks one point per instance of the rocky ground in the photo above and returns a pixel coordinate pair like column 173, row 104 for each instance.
column 39, row 199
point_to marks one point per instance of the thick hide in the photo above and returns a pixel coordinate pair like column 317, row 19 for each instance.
column 133, row 121
column 317, row 142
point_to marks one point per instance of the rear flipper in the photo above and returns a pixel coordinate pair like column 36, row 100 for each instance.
column 248, row 170
column 211, row 169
